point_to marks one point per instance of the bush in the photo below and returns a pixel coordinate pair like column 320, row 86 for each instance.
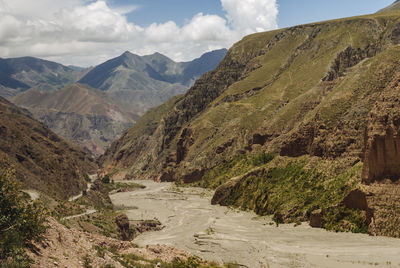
column 106, row 179
column 262, row 159
column 86, row 177
column 21, row 220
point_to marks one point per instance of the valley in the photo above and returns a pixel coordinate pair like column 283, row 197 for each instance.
column 228, row 235
column 282, row 151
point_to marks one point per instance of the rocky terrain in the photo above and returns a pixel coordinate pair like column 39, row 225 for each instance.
column 43, row 161
column 79, row 113
column 285, row 112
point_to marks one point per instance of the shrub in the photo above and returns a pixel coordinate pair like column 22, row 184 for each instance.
column 86, row 177
column 106, row 179
column 262, row 159
column 21, row 220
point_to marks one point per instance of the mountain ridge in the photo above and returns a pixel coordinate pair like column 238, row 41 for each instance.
column 302, row 94
column 20, row 74
column 147, row 81
column 79, row 113
column 393, row 7
column 43, row 161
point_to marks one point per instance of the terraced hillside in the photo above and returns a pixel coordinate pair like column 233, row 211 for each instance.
column 282, row 125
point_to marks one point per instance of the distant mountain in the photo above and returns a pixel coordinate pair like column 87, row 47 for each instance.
column 76, row 68
column 146, row 81
column 42, row 160
column 82, row 114
column 129, row 86
column 20, row 74
column 393, row 7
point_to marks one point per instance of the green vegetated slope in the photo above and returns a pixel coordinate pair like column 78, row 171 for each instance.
column 42, row 160
column 303, row 94
column 393, row 7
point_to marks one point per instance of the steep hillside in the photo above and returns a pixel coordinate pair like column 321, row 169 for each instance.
column 285, row 116
column 42, row 160
column 19, row 74
column 80, row 113
column 393, row 7
column 144, row 82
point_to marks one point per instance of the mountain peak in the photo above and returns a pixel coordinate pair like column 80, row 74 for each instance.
column 127, row 54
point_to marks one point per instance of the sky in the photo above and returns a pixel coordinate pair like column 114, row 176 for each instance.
column 88, row 32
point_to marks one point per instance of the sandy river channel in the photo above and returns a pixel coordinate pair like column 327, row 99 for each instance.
column 232, row 236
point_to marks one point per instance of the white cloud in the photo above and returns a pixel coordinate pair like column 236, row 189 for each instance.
column 249, row 16
column 84, row 32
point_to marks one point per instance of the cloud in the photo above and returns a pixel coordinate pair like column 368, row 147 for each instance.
column 249, row 16
column 87, row 32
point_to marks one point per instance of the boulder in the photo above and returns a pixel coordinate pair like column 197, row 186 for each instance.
column 316, row 219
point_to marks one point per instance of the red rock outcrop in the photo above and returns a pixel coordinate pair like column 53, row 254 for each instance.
column 381, row 171
column 382, row 137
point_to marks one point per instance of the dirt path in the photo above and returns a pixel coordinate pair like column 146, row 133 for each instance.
column 92, row 177
column 226, row 235
column 34, row 195
column 88, row 212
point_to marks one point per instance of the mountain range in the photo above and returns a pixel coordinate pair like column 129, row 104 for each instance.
column 79, row 113
column 301, row 123
column 20, row 74
column 147, row 81
column 108, row 98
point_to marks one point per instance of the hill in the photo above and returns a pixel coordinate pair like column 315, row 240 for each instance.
column 283, row 124
column 20, row 74
column 42, row 160
column 147, row 81
column 393, row 7
column 79, row 113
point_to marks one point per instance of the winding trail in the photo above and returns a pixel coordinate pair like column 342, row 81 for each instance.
column 227, row 235
column 92, row 177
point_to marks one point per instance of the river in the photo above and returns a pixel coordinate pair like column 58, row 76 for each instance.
column 231, row 236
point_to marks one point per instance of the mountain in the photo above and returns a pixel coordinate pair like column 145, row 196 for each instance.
column 79, row 113
column 301, row 123
column 393, row 7
column 20, row 74
column 147, row 81
column 42, row 160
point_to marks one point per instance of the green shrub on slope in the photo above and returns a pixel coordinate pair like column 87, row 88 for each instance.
column 21, row 221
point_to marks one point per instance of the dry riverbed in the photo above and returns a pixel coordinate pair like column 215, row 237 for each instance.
column 231, row 236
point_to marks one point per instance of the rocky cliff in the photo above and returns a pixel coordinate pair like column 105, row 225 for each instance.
column 381, row 172
column 304, row 94
column 42, row 160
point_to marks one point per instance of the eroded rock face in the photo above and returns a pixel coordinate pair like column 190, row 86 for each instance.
column 349, row 58
column 382, row 137
column 316, row 219
column 122, row 222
